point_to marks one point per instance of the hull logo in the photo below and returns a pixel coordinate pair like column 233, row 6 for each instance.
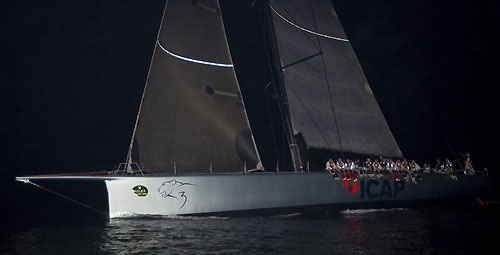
column 351, row 187
column 176, row 190
column 373, row 189
column 140, row 190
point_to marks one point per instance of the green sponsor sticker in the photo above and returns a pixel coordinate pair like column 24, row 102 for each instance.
column 140, row 190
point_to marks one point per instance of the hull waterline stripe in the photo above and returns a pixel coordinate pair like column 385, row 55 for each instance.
column 193, row 60
column 307, row 30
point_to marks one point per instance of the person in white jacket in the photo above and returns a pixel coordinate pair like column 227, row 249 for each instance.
column 329, row 165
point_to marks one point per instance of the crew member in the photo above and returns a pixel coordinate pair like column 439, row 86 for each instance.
column 449, row 169
column 368, row 166
column 405, row 165
column 468, row 164
column 449, row 165
column 329, row 165
column 340, row 165
column 398, row 165
column 376, row 167
column 439, row 166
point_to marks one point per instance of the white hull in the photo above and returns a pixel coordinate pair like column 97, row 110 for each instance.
column 216, row 193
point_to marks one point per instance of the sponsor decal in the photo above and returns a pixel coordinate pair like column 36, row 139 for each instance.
column 373, row 189
column 140, row 190
column 352, row 187
column 175, row 189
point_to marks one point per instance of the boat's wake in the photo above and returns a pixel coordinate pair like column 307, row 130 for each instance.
column 174, row 217
column 190, row 217
column 366, row 211
column 284, row 216
column 281, row 216
column 181, row 217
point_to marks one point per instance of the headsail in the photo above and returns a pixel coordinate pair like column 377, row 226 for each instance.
column 331, row 103
column 192, row 117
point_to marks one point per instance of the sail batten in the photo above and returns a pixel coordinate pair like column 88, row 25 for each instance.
column 331, row 103
column 192, row 118
column 193, row 60
column 305, row 29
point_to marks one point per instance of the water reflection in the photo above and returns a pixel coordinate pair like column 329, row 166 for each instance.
column 54, row 240
column 416, row 231
column 296, row 234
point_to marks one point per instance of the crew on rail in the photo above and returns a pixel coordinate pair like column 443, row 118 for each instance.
column 388, row 168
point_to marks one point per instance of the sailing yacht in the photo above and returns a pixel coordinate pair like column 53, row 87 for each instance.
column 193, row 151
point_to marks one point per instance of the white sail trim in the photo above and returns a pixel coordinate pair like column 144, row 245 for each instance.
column 193, row 60
column 307, row 30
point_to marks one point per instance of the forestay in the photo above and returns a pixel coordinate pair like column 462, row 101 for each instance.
column 331, row 103
column 192, row 117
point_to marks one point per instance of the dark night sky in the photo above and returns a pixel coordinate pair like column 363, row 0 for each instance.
column 72, row 73
column 431, row 66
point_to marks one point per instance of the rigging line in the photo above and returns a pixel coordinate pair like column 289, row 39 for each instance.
column 262, row 28
column 306, row 35
column 193, row 60
column 273, row 80
column 129, row 154
column 307, row 30
column 206, row 7
column 343, row 54
column 327, row 83
column 271, row 121
column 65, row 197
column 301, row 60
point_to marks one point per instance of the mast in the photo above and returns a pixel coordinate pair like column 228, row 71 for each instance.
column 278, row 81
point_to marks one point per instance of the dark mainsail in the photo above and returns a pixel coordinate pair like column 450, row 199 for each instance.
column 331, row 103
column 192, row 114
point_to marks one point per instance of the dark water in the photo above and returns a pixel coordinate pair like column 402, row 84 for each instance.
column 431, row 230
